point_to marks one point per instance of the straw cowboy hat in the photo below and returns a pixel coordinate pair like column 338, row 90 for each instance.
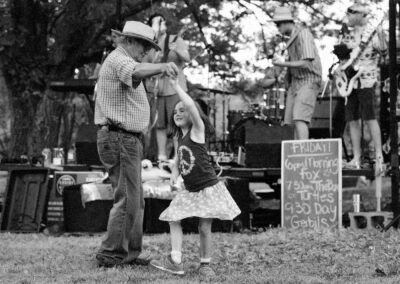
column 138, row 30
column 282, row 14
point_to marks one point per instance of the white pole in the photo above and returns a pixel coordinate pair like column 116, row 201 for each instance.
column 378, row 184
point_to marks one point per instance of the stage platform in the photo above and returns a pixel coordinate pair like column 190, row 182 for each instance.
column 268, row 174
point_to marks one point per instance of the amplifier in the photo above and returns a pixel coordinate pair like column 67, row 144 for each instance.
column 319, row 126
column 261, row 140
column 90, row 216
column 263, row 144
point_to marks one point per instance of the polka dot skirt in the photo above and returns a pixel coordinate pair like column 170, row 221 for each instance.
column 211, row 202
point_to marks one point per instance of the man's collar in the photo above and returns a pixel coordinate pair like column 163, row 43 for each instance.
column 122, row 50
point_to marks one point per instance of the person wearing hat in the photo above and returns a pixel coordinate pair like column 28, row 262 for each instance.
column 173, row 49
column 304, row 72
column 361, row 103
column 122, row 115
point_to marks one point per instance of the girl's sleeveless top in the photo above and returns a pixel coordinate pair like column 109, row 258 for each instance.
column 194, row 164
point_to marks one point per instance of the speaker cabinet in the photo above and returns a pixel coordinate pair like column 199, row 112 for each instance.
column 91, row 218
column 240, row 192
column 237, row 187
column 153, row 225
column 261, row 140
column 152, row 210
column 319, row 126
column 86, row 145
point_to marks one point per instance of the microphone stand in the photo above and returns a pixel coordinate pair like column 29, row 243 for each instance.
column 223, row 76
column 330, row 79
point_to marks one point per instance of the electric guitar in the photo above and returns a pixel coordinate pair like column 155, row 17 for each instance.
column 347, row 74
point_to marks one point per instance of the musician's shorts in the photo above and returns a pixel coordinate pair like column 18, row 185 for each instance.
column 361, row 104
column 300, row 103
column 165, row 108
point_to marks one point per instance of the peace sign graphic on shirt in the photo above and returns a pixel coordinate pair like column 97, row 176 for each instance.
column 186, row 160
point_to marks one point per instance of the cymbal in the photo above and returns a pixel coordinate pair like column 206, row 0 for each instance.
column 216, row 91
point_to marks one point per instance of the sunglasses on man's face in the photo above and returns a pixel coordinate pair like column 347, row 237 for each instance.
column 146, row 46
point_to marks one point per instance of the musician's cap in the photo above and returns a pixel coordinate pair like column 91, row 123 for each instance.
column 282, row 14
column 116, row 32
column 139, row 30
column 360, row 8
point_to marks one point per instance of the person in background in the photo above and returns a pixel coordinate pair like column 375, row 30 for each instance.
column 173, row 49
column 303, row 75
column 362, row 100
column 122, row 115
column 203, row 196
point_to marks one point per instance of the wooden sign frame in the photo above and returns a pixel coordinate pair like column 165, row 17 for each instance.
column 311, row 151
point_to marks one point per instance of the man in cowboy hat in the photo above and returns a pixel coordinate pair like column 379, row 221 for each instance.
column 122, row 114
column 304, row 72
column 361, row 102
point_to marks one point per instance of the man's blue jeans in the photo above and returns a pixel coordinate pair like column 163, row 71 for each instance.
column 121, row 155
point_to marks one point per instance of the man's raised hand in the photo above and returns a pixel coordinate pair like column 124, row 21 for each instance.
column 170, row 69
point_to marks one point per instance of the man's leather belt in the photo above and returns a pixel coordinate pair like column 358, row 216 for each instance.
column 114, row 128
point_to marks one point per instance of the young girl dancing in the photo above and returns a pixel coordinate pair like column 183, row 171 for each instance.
column 204, row 195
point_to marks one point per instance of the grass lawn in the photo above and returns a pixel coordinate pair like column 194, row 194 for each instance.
column 275, row 256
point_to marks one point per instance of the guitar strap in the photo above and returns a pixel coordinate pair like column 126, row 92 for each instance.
column 166, row 49
column 293, row 37
column 163, row 60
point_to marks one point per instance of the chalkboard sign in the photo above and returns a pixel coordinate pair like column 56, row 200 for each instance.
column 311, row 181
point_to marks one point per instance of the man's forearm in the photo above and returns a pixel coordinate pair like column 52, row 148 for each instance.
column 267, row 82
column 296, row 64
column 144, row 70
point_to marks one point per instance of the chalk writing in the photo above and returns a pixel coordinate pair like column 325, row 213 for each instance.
column 311, row 183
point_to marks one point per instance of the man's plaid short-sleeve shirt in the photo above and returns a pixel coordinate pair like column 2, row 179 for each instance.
column 119, row 102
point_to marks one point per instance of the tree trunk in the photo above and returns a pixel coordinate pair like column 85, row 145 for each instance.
column 5, row 116
column 53, row 122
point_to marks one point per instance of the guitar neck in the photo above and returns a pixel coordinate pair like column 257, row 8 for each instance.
column 364, row 46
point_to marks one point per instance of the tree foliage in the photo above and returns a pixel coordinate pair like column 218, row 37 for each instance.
column 43, row 40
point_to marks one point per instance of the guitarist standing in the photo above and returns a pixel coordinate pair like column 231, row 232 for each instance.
column 173, row 49
column 304, row 72
column 361, row 101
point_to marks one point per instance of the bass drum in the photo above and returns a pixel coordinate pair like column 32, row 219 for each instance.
column 249, row 131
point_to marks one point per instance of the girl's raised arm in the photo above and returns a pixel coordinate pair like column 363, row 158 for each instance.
column 190, row 105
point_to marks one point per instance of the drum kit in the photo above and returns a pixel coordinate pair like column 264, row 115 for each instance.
column 270, row 111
